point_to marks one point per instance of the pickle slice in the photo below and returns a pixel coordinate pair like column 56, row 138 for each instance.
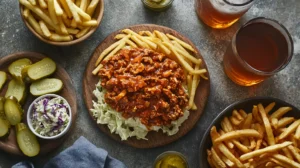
column 13, row 110
column 41, row 69
column 2, row 114
column 2, row 79
column 46, row 86
column 4, row 128
column 16, row 67
column 17, row 90
column 27, row 141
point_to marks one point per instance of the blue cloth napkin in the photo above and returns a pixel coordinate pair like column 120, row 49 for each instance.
column 81, row 154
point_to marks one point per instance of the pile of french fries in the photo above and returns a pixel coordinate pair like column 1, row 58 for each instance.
column 60, row 20
column 167, row 44
column 257, row 139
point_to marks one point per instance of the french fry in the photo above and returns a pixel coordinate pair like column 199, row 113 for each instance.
column 258, row 144
column 35, row 25
column 148, row 42
column 229, row 144
column 161, row 46
column 227, row 161
column 66, row 8
column 184, row 44
column 83, row 14
column 82, row 32
column 51, row 10
column 33, row 2
column 91, row 7
column 255, row 114
column 26, row 12
column 243, row 113
column 83, row 5
column 297, row 134
column 109, row 49
column 240, row 146
column 217, row 159
column 43, row 4
column 223, row 149
column 148, row 33
column 274, row 122
column 287, row 153
column 280, row 112
column 285, row 121
column 44, row 29
column 40, row 13
column 183, row 62
column 132, row 44
column 286, row 160
column 269, row 149
column 269, row 131
column 269, row 107
column 193, row 89
column 289, row 130
column 238, row 134
column 77, row 2
column 237, row 115
column 90, row 23
column 279, row 163
column 57, row 37
column 72, row 8
column 161, row 35
column 252, row 143
column 139, row 42
column 294, row 152
column 235, row 121
column 66, row 21
column 57, row 8
column 186, row 54
column 62, row 26
column 247, row 122
column 72, row 31
column 73, row 24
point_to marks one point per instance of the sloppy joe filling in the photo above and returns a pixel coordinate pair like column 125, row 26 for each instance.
column 145, row 84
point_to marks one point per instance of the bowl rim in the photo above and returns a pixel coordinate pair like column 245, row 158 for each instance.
column 65, row 43
column 224, row 112
column 29, row 112
column 161, row 155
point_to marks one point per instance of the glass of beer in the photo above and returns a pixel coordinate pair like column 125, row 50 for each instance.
column 221, row 14
column 259, row 49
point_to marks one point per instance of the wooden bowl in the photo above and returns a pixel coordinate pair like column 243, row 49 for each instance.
column 98, row 14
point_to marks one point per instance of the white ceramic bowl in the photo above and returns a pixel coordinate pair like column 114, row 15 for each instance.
column 30, row 111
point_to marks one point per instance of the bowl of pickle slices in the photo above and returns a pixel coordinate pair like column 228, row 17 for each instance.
column 36, row 75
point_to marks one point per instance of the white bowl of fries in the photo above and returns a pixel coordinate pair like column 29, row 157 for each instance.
column 62, row 22
column 255, row 132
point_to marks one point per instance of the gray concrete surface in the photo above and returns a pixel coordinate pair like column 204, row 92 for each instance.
column 15, row 37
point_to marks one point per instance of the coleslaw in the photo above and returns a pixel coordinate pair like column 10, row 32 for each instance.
column 50, row 116
column 131, row 127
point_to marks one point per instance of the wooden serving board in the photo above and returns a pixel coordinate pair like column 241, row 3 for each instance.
column 155, row 139
column 68, row 92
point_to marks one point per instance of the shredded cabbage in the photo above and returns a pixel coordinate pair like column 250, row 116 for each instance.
column 131, row 127
column 50, row 116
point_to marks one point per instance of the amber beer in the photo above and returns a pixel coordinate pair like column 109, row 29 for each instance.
column 257, row 51
column 221, row 13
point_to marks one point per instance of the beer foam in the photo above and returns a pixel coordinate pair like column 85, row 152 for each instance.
column 226, row 8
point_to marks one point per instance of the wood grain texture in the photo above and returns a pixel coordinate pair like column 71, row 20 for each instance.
column 155, row 139
column 68, row 92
